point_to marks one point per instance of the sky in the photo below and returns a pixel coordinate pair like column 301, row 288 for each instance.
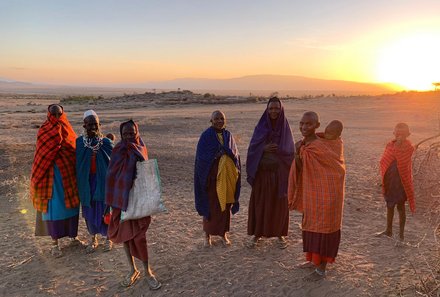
column 113, row 42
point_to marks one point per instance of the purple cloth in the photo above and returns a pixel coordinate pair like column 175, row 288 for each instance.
column 62, row 228
column 281, row 135
column 324, row 244
column 93, row 214
column 209, row 149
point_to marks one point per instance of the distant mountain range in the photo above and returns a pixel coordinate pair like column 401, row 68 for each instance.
column 256, row 84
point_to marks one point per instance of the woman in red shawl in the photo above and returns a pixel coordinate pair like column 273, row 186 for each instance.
column 53, row 187
column 120, row 176
column 270, row 155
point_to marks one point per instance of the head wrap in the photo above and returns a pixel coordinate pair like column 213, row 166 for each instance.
column 90, row 112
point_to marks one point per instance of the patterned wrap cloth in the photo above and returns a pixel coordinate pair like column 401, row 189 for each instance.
column 402, row 154
column 122, row 169
column 318, row 191
column 55, row 145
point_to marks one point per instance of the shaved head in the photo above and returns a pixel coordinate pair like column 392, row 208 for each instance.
column 216, row 113
column 312, row 115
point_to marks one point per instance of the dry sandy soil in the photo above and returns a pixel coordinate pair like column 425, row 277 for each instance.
column 366, row 265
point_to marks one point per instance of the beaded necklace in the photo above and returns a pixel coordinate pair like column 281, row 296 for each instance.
column 88, row 143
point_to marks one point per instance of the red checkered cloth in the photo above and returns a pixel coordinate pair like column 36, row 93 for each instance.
column 55, row 145
column 318, row 189
column 402, row 154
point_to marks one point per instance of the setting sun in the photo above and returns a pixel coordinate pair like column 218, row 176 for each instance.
column 412, row 62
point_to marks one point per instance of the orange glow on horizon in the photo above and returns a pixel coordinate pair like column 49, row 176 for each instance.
column 411, row 61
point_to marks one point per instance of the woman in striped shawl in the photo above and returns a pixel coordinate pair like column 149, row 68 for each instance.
column 120, row 177
column 53, row 188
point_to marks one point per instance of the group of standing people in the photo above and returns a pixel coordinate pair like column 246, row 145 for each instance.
column 308, row 177
column 69, row 171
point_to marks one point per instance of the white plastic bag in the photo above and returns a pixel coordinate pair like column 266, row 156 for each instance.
column 145, row 198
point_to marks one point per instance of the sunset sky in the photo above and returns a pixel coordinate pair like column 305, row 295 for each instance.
column 109, row 41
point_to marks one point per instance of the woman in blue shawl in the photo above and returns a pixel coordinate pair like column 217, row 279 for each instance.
column 92, row 158
column 270, row 154
column 217, row 178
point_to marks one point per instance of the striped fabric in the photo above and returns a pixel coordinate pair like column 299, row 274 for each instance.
column 318, row 190
column 121, row 170
column 55, row 145
column 402, row 154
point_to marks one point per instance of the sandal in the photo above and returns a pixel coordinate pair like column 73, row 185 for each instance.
column 91, row 247
column 108, row 245
column 282, row 243
column 55, row 251
column 253, row 242
column 130, row 279
column 153, row 283
column 75, row 242
column 226, row 241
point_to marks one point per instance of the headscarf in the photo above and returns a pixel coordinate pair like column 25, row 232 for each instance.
column 122, row 168
column 281, row 135
column 209, row 149
column 55, row 145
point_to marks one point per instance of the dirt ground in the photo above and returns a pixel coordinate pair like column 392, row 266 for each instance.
column 366, row 265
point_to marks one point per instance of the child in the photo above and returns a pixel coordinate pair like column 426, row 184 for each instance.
column 397, row 184
column 111, row 136
column 333, row 130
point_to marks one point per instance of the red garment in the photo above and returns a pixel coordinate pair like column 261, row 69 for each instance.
column 56, row 143
column 93, row 163
column 317, row 259
column 132, row 232
column 402, row 154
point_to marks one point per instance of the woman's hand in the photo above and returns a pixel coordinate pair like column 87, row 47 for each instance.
column 271, row 148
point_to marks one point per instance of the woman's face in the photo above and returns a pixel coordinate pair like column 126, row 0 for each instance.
column 129, row 132
column 218, row 120
column 274, row 109
column 91, row 124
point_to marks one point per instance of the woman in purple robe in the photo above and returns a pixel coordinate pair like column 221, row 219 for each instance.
column 270, row 154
